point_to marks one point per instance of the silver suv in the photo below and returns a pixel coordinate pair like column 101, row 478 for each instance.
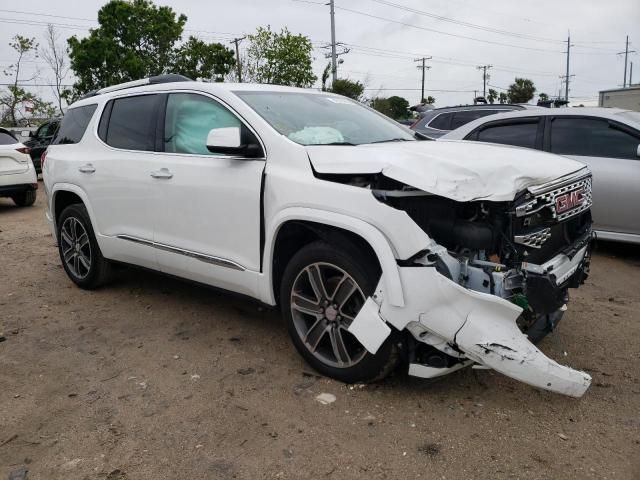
column 379, row 249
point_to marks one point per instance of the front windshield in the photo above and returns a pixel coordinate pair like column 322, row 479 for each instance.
column 320, row 119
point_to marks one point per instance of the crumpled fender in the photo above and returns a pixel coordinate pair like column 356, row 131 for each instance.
column 481, row 325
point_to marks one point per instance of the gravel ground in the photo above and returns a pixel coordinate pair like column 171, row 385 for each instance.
column 153, row 378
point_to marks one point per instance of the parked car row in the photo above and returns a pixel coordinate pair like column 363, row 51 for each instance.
column 439, row 121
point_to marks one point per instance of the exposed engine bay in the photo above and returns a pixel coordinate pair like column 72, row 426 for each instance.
column 528, row 251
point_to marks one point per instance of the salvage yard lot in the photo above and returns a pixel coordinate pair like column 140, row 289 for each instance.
column 153, row 378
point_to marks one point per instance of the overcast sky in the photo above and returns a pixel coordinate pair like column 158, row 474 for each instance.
column 384, row 39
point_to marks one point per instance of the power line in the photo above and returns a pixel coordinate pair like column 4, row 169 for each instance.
column 446, row 33
column 465, row 24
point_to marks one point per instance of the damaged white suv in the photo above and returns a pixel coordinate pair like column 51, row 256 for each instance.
column 380, row 249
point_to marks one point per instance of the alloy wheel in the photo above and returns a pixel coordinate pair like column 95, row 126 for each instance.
column 75, row 247
column 325, row 299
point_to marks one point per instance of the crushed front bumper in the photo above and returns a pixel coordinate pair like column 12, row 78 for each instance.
column 470, row 325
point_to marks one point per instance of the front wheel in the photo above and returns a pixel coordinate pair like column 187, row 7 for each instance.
column 79, row 251
column 323, row 289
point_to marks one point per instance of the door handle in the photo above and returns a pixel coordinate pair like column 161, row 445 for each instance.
column 162, row 173
column 88, row 168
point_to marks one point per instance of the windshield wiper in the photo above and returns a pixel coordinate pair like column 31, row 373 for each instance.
column 392, row 140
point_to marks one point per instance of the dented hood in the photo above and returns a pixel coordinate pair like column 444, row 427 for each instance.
column 459, row 170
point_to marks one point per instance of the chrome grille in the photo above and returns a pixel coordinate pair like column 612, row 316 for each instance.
column 548, row 199
column 535, row 239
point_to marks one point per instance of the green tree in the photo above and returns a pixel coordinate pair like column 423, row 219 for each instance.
column 348, row 88
column 280, row 58
column 16, row 100
column 208, row 61
column 543, row 97
column 492, row 96
column 521, row 91
column 503, row 98
column 394, row 107
column 134, row 39
column 325, row 76
column 429, row 100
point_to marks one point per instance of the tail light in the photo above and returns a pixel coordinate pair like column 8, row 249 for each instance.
column 26, row 150
column 42, row 158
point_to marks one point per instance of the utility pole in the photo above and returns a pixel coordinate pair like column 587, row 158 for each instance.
column 485, row 77
column 334, row 63
column 424, row 68
column 631, row 75
column 566, row 85
column 475, row 95
column 238, row 64
column 626, row 56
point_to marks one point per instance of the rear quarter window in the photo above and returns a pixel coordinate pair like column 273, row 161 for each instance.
column 7, row 138
column 74, row 124
column 441, row 122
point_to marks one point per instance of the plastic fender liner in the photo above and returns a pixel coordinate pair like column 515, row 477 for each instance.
column 497, row 342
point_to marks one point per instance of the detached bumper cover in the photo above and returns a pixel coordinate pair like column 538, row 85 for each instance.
column 481, row 326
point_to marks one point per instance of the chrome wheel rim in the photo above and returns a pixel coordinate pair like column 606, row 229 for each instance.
column 76, row 248
column 324, row 301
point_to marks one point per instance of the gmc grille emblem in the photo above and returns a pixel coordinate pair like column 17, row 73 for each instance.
column 569, row 200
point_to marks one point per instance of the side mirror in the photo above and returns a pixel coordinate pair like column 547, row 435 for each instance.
column 228, row 140
column 224, row 140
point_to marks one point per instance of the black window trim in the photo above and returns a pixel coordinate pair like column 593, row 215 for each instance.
column 228, row 107
column 539, row 119
column 612, row 123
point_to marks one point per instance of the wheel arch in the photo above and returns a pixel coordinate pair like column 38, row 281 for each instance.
column 65, row 194
column 310, row 224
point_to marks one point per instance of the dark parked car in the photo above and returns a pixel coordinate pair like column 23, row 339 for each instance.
column 41, row 139
column 439, row 121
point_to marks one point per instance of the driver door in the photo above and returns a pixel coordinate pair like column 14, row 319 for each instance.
column 208, row 224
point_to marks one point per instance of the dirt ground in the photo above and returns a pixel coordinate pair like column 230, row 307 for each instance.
column 153, row 378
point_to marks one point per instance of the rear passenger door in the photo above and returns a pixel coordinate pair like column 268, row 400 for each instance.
column 118, row 177
column 611, row 151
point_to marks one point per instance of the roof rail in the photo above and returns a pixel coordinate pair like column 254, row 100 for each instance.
column 157, row 79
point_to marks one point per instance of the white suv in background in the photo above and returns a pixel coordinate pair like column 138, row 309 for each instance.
column 379, row 249
column 18, row 179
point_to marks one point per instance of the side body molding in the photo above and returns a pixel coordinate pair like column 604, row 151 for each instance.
column 375, row 238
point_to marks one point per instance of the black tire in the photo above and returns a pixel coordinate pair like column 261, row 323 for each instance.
column 99, row 269
column 24, row 199
column 365, row 274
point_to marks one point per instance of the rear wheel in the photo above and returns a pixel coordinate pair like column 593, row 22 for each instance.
column 24, row 199
column 323, row 289
column 79, row 251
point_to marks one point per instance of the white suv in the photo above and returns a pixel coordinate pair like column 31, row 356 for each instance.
column 379, row 249
column 18, row 179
